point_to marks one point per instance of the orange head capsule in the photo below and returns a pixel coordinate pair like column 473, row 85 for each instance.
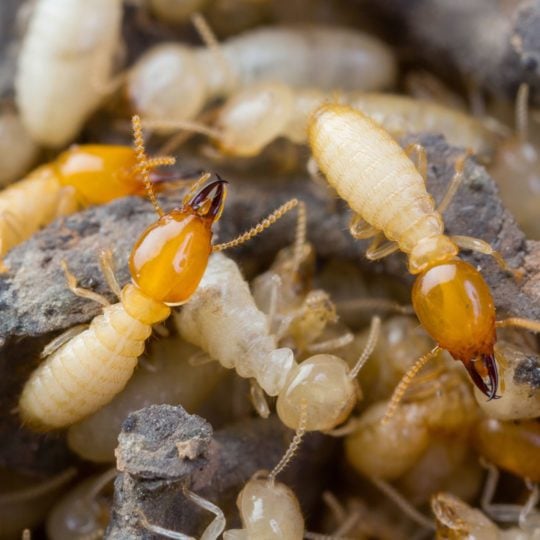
column 455, row 306
column 170, row 257
column 99, row 172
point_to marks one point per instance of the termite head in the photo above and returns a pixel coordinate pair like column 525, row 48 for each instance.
column 455, row 306
column 170, row 257
column 99, row 172
column 431, row 251
column 253, row 118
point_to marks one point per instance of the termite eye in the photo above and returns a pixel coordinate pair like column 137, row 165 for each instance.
column 210, row 201
column 99, row 173
column 455, row 306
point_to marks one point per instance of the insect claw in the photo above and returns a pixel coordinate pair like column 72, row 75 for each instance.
column 210, row 200
column 489, row 362
column 493, row 374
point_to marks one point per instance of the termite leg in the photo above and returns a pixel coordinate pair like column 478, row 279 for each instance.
column 260, row 227
column 348, row 428
column 79, row 291
column 373, row 338
column 376, row 251
column 258, row 399
column 361, row 229
column 331, row 344
column 106, row 263
column 480, row 246
column 217, row 525
column 521, row 112
column 67, row 202
column 457, row 180
column 62, row 339
column 417, row 154
column 403, row 504
column 528, row 324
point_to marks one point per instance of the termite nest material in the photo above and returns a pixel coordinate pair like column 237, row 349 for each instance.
column 376, row 193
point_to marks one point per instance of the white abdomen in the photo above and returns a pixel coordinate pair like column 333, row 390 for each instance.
column 371, row 172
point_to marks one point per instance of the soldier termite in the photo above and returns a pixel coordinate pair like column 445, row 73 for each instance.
column 388, row 195
column 166, row 264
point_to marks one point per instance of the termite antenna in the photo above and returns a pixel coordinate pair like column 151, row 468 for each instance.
column 405, row 382
column 142, row 163
column 521, row 112
column 373, row 337
column 300, row 237
column 260, row 227
column 295, row 444
column 211, row 41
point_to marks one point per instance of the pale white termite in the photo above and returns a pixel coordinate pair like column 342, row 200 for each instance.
column 456, row 519
column 173, row 82
column 223, row 319
column 258, row 114
column 388, row 195
column 268, row 509
column 17, row 148
column 166, row 376
column 65, row 65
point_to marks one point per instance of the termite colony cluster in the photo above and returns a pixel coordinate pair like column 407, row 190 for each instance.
column 187, row 188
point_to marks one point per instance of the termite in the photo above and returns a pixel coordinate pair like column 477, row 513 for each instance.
column 268, row 509
column 456, row 519
column 17, row 148
column 512, row 446
column 65, row 65
column 388, row 196
column 166, row 265
column 223, row 319
column 80, row 176
column 260, row 113
column 174, row 82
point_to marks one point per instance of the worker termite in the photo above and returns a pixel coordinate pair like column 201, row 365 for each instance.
column 166, row 376
column 223, row 319
column 17, row 148
column 174, row 82
column 166, row 264
column 268, row 509
column 440, row 406
column 450, row 297
column 456, row 519
column 512, row 446
column 256, row 115
column 65, row 65
column 82, row 175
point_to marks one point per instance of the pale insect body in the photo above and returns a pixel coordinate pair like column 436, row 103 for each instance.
column 17, row 148
column 258, row 114
column 64, row 65
column 174, row 82
column 82, row 175
column 223, row 319
column 30, row 204
column 91, row 368
column 388, row 195
column 456, row 519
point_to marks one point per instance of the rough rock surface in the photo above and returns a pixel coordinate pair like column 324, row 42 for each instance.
column 163, row 449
